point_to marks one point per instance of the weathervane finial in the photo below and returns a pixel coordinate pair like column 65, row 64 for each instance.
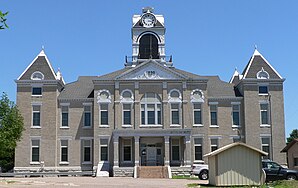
column 256, row 47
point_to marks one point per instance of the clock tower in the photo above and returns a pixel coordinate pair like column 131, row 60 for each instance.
column 148, row 38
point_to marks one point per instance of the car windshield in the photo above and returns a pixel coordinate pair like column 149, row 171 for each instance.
column 273, row 165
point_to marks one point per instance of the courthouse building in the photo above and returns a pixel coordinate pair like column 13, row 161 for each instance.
column 149, row 113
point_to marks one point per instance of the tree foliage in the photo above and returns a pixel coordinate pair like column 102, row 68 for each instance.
column 293, row 135
column 3, row 19
column 11, row 127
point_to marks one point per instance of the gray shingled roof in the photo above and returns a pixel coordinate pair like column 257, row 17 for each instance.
column 79, row 89
column 219, row 88
column 112, row 75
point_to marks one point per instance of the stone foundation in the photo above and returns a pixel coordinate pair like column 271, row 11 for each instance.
column 181, row 171
column 123, row 171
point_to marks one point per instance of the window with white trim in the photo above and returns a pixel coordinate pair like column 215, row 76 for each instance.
column 198, row 144
column 264, row 113
column 214, row 144
column 104, row 114
column 150, row 109
column 87, row 150
column 265, row 141
column 213, row 114
column 36, row 91
column 236, row 114
column 64, row 115
column 87, row 116
column 197, row 113
column 126, row 114
column 64, row 150
column 104, row 152
column 175, row 148
column 35, row 145
column 175, row 114
column 36, row 115
column 263, row 90
column 127, row 152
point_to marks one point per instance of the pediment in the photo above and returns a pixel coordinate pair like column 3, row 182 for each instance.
column 151, row 70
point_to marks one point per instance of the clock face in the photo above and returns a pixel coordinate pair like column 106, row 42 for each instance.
column 148, row 20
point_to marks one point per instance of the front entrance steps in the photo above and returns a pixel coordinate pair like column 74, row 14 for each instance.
column 152, row 172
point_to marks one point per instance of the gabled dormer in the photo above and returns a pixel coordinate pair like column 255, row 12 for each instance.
column 148, row 39
column 40, row 70
column 259, row 68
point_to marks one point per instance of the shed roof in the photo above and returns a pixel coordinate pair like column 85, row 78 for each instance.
column 216, row 152
column 289, row 145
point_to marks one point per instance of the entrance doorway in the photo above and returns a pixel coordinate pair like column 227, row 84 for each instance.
column 151, row 152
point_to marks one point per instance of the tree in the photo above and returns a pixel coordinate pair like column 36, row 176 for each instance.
column 293, row 135
column 11, row 127
column 3, row 24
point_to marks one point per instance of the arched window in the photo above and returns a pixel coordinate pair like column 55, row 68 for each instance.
column 150, row 109
column 148, row 47
column 103, row 99
column 197, row 99
column 175, row 100
column 127, row 100
column 37, row 76
column 262, row 74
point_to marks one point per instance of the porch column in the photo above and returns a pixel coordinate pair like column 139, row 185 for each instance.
column 116, row 149
column 167, row 150
column 137, row 150
column 187, row 151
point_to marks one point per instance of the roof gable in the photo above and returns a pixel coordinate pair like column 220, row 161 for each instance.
column 40, row 64
column 258, row 63
column 151, row 70
column 289, row 145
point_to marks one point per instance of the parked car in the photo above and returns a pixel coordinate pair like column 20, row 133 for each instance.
column 275, row 171
column 200, row 169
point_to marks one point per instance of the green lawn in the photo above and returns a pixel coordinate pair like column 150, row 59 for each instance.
column 275, row 184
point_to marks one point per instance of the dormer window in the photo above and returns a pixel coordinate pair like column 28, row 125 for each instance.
column 262, row 74
column 37, row 76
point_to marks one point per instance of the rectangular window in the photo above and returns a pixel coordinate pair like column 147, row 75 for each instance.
column 197, row 114
column 127, row 150
column 37, row 91
column 236, row 114
column 213, row 114
column 104, row 149
column 36, row 115
column 214, row 144
column 263, row 90
column 296, row 161
column 104, row 116
column 158, row 114
column 87, row 116
column 35, row 144
column 64, row 115
column 175, row 113
column 87, row 150
column 151, row 114
column 264, row 114
column 266, row 146
column 126, row 114
column 175, row 149
column 198, row 143
column 64, row 150
column 143, row 118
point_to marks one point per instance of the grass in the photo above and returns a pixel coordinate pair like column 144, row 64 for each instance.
column 275, row 184
column 185, row 177
column 8, row 181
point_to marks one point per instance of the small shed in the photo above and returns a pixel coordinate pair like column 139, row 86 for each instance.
column 292, row 154
column 236, row 164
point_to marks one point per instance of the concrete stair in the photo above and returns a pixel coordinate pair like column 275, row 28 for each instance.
column 152, row 172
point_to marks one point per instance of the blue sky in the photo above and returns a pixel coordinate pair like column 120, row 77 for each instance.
column 210, row 37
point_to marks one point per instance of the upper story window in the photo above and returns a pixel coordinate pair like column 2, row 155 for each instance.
column 197, row 95
column 127, row 100
column 236, row 115
column 36, row 91
column 36, row 115
column 87, row 116
column 150, row 109
column 64, row 115
column 263, row 90
column 104, row 99
column 37, row 76
column 175, row 100
column 262, row 74
column 213, row 114
column 264, row 113
column 197, row 113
